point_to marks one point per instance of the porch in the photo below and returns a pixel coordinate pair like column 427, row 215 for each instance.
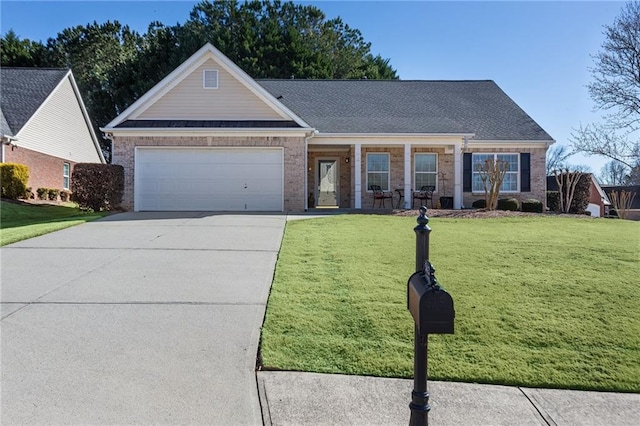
column 339, row 176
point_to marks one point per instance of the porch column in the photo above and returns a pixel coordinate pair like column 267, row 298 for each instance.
column 407, row 176
column 306, row 174
column 457, row 176
column 358, row 176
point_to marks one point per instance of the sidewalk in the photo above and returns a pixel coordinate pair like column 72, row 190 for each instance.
column 291, row 398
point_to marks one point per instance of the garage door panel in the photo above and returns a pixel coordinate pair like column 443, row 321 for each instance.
column 196, row 179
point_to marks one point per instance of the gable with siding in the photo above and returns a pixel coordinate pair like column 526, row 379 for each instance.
column 189, row 99
column 59, row 128
column 45, row 113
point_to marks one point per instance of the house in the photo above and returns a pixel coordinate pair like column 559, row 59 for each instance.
column 598, row 200
column 633, row 213
column 209, row 137
column 44, row 125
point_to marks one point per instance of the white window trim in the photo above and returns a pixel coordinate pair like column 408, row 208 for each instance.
column 366, row 171
column 204, row 78
column 66, row 176
column 495, row 155
column 415, row 186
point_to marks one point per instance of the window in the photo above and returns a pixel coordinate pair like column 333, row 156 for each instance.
column 65, row 175
column 510, row 183
column 378, row 170
column 210, row 79
column 426, row 170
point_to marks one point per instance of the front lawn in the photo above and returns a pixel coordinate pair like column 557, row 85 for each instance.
column 20, row 221
column 540, row 301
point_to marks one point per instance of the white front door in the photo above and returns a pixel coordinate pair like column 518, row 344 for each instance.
column 327, row 183
column 208, row 179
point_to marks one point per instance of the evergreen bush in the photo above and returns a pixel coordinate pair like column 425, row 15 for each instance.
column 532, row 205
column 97, row 186
column 14, row 178
column 510, row 204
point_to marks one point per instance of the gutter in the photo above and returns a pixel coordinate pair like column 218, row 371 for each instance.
column 191, row 131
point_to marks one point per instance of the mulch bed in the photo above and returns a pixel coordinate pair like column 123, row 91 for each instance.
column 477, row 214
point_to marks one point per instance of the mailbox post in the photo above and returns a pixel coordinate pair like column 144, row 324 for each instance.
column 432, row 310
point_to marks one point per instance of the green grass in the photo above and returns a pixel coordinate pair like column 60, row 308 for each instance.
column 540, row 301
column 21, row 221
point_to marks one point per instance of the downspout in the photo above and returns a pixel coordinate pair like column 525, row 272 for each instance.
column 7, row 140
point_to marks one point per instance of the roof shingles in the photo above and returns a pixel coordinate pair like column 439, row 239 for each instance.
column 23, row 90
column 407, row 106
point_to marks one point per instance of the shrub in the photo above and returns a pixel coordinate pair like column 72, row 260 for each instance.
column 532, row 205
column 14, row 178
column 65, row 195
column 479, row 204
column 508, row 204
column 553, row 201
column 43, row 193
column 53, row 194
column 29, row 195
column 97, row 186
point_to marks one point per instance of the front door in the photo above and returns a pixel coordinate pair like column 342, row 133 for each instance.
column 327, row 183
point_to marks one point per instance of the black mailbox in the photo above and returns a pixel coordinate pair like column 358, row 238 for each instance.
column 430, row 305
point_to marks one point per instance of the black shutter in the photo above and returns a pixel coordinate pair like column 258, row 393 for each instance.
column 466, row 172
column 525, row 172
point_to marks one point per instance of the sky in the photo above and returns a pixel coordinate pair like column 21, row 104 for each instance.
column 538, row 52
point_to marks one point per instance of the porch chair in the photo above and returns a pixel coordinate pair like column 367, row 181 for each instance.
column 425, row 193
column 380, row 195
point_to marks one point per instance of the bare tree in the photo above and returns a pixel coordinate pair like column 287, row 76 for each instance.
column 607, row 141
column 492, row 173
column 557, row 157
column 567, row 182
column 616, row 88
column 613, row 173
column 622, row 202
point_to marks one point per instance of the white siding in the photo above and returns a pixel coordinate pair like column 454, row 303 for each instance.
column 188, row 100
column 59, row 129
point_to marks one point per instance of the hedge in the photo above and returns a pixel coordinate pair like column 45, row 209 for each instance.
column 508, row 204
column 14, row 178
column 479, row 204
column 553, row 201
column 43, row 193
column 532, row 205
column 97, row 186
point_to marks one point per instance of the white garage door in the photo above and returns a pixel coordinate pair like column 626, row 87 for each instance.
column 209, row 179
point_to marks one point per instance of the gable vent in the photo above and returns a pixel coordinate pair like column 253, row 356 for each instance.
column 210, row 79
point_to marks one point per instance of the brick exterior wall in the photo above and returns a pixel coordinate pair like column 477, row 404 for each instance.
column 538, row 177
column 396, row 157
column 45, row 171
column 124, row 155
column 294, row 167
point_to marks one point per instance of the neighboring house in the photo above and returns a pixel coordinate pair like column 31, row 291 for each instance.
column 210, row 137
column 634, row 211
column 598, row 200
column 45, row 125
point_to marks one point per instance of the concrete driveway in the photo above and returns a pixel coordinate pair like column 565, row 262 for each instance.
column 137, row 318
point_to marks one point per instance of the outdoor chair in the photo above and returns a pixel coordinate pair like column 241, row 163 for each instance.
column 425, row 193
column 380, row 195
